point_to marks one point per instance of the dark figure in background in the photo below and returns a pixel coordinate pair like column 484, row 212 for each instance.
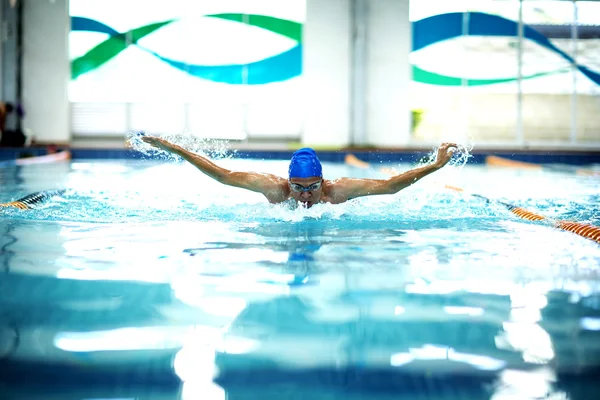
column 10, row 138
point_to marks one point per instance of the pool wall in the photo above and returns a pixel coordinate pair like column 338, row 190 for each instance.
column 9, row 155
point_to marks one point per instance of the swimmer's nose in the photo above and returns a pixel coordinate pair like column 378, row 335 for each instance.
column 305, row 195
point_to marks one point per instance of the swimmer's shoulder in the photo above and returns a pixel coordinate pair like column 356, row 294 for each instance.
column 335, row 191
column 277, row 192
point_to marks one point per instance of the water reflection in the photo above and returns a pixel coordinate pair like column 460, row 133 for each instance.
column 6, row 241
column 278, row 310
column 11, row 177
column 337, row 336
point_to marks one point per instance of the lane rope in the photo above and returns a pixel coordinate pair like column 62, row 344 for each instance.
column 34, row 199
column 587, row 231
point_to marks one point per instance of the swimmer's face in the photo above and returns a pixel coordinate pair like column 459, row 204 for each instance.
column 307, row 191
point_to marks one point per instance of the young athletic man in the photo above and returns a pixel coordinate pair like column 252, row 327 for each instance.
column 305, row 183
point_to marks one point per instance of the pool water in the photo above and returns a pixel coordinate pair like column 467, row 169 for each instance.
column 148, row 280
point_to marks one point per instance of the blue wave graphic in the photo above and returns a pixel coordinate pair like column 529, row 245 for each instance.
column 448, row 26
column 288, row 64
column 90, row 25
column 279, row 67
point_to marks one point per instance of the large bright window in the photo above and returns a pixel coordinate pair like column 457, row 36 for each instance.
column 506, row 71
column 217, row 68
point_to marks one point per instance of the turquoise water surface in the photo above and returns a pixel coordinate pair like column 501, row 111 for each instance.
column 148, row 280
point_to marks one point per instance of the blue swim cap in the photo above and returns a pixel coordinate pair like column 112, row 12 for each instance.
column 305, row 164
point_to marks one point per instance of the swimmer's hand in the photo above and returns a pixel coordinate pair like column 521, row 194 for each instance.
column 159, row 143
column 444, row 154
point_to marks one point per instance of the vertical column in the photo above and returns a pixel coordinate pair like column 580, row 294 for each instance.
column 11, row 53
column 520, row 136
column 2, row 19
column 358, row 86
column 574, row 72
column 46, row 70
column 326, row 72
column 389, row 43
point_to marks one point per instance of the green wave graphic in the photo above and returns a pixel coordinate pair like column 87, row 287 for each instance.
column 423, row 76
column 283, row 27
column 108, row 49
column 293, row 30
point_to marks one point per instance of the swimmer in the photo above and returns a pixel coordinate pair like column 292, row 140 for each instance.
column 305, row 183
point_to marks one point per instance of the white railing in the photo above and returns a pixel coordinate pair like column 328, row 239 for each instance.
column 211, row 120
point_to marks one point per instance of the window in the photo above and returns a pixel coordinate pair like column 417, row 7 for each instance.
column 212, row 68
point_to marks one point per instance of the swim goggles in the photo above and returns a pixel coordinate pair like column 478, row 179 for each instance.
column 299, row 188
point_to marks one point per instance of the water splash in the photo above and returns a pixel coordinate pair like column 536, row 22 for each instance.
column 425, row 203
column 216, row 149
column 460, row 156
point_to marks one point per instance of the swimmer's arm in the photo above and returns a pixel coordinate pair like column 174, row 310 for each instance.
column 351, row 188
column 264, row 183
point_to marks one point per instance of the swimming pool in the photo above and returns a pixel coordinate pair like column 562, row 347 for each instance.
column 147, row 279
